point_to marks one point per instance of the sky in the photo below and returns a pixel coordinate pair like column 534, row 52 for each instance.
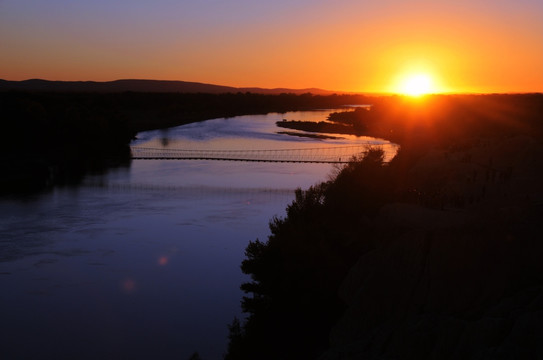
column 341, row 45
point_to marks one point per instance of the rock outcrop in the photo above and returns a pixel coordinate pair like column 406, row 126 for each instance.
column 454, row 280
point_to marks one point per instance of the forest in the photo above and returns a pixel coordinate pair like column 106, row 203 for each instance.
column 434, row 255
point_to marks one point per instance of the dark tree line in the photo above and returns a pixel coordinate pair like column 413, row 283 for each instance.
column 132, row 111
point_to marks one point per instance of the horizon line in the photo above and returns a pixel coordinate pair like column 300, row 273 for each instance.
column 331, row 92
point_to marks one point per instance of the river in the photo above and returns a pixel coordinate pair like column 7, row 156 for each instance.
column 144, row 261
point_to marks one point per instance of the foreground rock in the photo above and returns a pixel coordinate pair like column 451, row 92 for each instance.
column 457, row 277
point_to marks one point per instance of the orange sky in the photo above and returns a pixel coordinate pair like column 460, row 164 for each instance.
column 345, row 45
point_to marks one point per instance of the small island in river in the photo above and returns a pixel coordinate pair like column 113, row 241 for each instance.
column 337, row 123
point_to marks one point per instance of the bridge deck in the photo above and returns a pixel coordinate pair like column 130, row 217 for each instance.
column 331, row 154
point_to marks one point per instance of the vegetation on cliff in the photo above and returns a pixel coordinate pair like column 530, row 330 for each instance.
column 295, row 274
column 429, row 256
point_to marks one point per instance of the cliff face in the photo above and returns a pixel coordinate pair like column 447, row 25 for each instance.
column 434, row 255
column 456, row 277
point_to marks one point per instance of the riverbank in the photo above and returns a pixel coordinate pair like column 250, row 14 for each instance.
column 434, row 255
column 54, row 138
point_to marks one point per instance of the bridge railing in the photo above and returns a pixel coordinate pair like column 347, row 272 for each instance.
column 331, row 154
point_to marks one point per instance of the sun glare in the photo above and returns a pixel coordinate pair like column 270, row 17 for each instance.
column 416, row 85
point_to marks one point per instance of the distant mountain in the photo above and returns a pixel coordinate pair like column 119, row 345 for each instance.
column 142, row 86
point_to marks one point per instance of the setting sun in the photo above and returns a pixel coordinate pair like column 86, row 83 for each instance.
column 416, row 85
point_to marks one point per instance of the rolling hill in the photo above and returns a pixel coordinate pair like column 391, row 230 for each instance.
column 156, row 86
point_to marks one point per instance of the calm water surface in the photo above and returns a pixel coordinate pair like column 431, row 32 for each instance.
column 143, row 262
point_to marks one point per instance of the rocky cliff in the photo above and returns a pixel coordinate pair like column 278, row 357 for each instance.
column 458, row 275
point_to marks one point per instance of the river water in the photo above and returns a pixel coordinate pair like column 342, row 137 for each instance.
column 144, row 261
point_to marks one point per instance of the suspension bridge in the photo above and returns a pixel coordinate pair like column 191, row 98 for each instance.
column 329, row 154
